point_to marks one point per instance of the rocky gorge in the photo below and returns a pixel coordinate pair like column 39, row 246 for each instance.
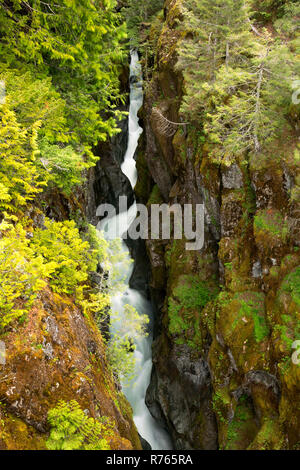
column 225, row 379
column 226, row 318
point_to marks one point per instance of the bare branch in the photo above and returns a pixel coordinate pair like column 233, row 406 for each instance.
column 166, row 127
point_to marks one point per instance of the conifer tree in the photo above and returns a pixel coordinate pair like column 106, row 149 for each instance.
column 237, row 79
column 77, row 43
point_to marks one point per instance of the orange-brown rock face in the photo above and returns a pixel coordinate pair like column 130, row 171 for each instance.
column 57, row 354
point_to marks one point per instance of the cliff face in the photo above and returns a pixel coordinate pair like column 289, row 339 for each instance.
column 223, row 374
column 58, row 353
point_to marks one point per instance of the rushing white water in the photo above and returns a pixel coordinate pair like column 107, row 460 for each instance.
column 148, row 428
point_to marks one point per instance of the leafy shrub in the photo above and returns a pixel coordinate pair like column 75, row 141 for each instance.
column 81, row 56
column 22, row 274
column 62, row 165
column 72, row 429
column 20, row 180
column 125, row 330
column 60, row 243
column 35, row 100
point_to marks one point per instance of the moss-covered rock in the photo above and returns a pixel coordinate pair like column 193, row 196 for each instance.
column 57, row 354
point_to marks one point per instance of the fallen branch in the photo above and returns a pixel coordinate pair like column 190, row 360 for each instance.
column 165, row 126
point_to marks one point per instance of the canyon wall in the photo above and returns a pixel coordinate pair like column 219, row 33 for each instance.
column 227, row 315
column 58, row 353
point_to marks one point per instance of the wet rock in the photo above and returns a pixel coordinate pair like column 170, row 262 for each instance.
column 257, row 270
column 231, row 214
column 251, row 242
column 109, row 183
column 263, row 378
column 145, row 444
column 179, row 398
column 95, row 279
column 232, row 177
column 141, row 270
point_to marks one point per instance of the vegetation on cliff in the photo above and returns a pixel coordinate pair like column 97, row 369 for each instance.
column 226, row 74
column 59, row 95
column 72, row 429
column 238, row 79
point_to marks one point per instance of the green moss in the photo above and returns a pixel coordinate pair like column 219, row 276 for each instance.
column 185, row 304
column 251, row 308
column 242, row 429
column 128, row 415
column 286, row 325
column 155, row 196
column 221, row 401
column 269, row 437
column 272, row 222
column 291, row 284
column 15, row 434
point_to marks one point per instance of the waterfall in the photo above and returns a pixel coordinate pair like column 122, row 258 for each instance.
column 148, row 428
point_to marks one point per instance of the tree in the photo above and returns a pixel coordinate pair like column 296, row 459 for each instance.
column 214, row 33
column 78, row 44
column 22, row 274
column 137, row 13
column 237, row 79
column 74, row 258
column 20, row 180
column 250, row 105
column 139, row 16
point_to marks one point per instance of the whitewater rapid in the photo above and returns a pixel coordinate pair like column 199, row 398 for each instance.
column 147, row 427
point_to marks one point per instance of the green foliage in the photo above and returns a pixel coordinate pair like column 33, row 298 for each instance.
column 61, row 165
column 185, row 305
column 22, row 274
column 238, row 81
column 287, row 21
column 251, row 104
column 60, row 243
column 81, row 56
column 272, row 10
column 213, row 30
column 61, row 91
column 126, row 330
column 140, row 16
column 291, row 284
column 20, row 180
column 60, row 66
column 72, row 429
column 136, row 13
column 56, row 253
column 34, row 100
column 272, row 222
column 33, row 115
